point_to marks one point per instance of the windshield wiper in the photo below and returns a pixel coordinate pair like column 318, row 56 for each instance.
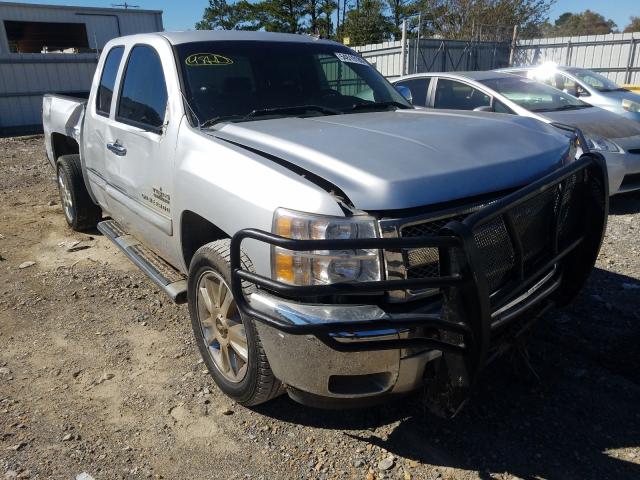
column 562, row 108
column 222, row 118
column 617, row 89
column 572, row 107
column 293, row 110
column 377, row 106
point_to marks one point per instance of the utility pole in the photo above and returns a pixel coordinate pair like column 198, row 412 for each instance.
column 403, row 49
column 514, row 45
column 416, row 50
column 338, row 23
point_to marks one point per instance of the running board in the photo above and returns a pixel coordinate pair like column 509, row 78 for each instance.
column 172, row 282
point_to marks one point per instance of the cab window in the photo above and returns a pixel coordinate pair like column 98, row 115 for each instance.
column 143, row 96
column 500, row 107
column 108, row 80
column 338, row 76
column 562, row 82
column 418, row 87
column 459, row 96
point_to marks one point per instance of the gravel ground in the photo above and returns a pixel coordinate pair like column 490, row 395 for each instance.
column 100, row 374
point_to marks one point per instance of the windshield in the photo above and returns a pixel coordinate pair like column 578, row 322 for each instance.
column 248, row 80
column 534, row 96
column 595, row 80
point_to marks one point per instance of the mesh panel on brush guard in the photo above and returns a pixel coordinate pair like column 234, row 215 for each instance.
column 424, row 262
column 534, row 224
column 496, row 251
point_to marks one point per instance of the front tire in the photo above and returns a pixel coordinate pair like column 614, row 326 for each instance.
column 229, row 344
column 78, row 207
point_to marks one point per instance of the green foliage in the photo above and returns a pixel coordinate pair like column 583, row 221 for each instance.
column 585, row 23
column 220, row 15
column 480, row 19
column 374, row 21
column 368, row 24
column 634, row 25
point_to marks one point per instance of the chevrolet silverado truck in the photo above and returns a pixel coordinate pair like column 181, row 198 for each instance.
column 331, row 241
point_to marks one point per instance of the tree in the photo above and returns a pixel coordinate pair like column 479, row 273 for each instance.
column 367, row 24
column 271, row 15
column 220, row 15
column 281, row 15
column 634, row 25
column 399, row 10
column 325, row 22
column 585, row 23
column 480, row 19
column 313, row 10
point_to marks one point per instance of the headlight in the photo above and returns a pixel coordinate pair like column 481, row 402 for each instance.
column 631, row 106
column 601, row 144
column 320, row 267
column 572, row 152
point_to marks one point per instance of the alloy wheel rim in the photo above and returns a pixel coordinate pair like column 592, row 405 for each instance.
column 222, row 327
column 65, row 197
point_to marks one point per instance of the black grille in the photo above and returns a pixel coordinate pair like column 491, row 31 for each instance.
column 529, row 231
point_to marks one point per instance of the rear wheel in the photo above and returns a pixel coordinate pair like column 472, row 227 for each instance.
column 78, row 207
column 229, row 343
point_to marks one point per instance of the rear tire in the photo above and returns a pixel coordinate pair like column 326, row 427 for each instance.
column 78, row 207
column 229, row 344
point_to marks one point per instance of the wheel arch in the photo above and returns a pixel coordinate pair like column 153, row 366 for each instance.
column 196, row 231
column 63, row 145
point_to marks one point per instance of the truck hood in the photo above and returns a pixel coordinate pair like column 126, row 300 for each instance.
column 408, row 158
column 596, row 121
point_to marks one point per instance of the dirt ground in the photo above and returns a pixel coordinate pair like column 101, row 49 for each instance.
column 99, row 374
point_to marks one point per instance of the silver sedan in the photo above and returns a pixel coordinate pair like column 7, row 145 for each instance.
column 617, row 138
column 589, row 86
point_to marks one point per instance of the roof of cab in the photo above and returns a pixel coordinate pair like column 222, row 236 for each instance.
column 177, row 38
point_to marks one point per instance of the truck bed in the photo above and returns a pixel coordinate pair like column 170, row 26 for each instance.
column 61, row 114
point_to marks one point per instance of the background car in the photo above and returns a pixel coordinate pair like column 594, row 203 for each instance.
column 617, row 138
column 589, row 86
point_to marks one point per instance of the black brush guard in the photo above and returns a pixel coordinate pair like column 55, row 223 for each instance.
column 466, row 329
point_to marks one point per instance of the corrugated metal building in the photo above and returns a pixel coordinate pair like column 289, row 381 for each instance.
column 50, row 48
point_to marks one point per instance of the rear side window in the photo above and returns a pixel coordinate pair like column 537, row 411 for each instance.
column 108, row 80
column 459, row 96
column 418, row 87
column 143, row 96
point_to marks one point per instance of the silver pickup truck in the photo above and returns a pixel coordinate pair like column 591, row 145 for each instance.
column 331, row 241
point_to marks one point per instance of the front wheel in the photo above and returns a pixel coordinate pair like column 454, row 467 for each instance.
column 229, row 344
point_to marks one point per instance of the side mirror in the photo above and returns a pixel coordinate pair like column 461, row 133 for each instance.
column 572, row 91
column 405, row 92
column 484, row 108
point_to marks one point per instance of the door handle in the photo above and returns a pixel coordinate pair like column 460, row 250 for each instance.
column 116, row 148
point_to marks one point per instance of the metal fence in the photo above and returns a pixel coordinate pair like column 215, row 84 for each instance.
column 26, row 77
column 616, row 55
column 434, row 55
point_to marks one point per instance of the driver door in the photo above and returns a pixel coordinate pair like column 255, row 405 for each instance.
column 139, row 150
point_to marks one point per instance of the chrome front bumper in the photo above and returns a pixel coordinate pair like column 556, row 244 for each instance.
column 307, row 364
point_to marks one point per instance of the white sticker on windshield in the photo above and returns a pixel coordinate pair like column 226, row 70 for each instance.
column 348, row 58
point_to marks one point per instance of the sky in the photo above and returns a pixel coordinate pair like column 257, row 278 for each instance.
column 183, row 14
